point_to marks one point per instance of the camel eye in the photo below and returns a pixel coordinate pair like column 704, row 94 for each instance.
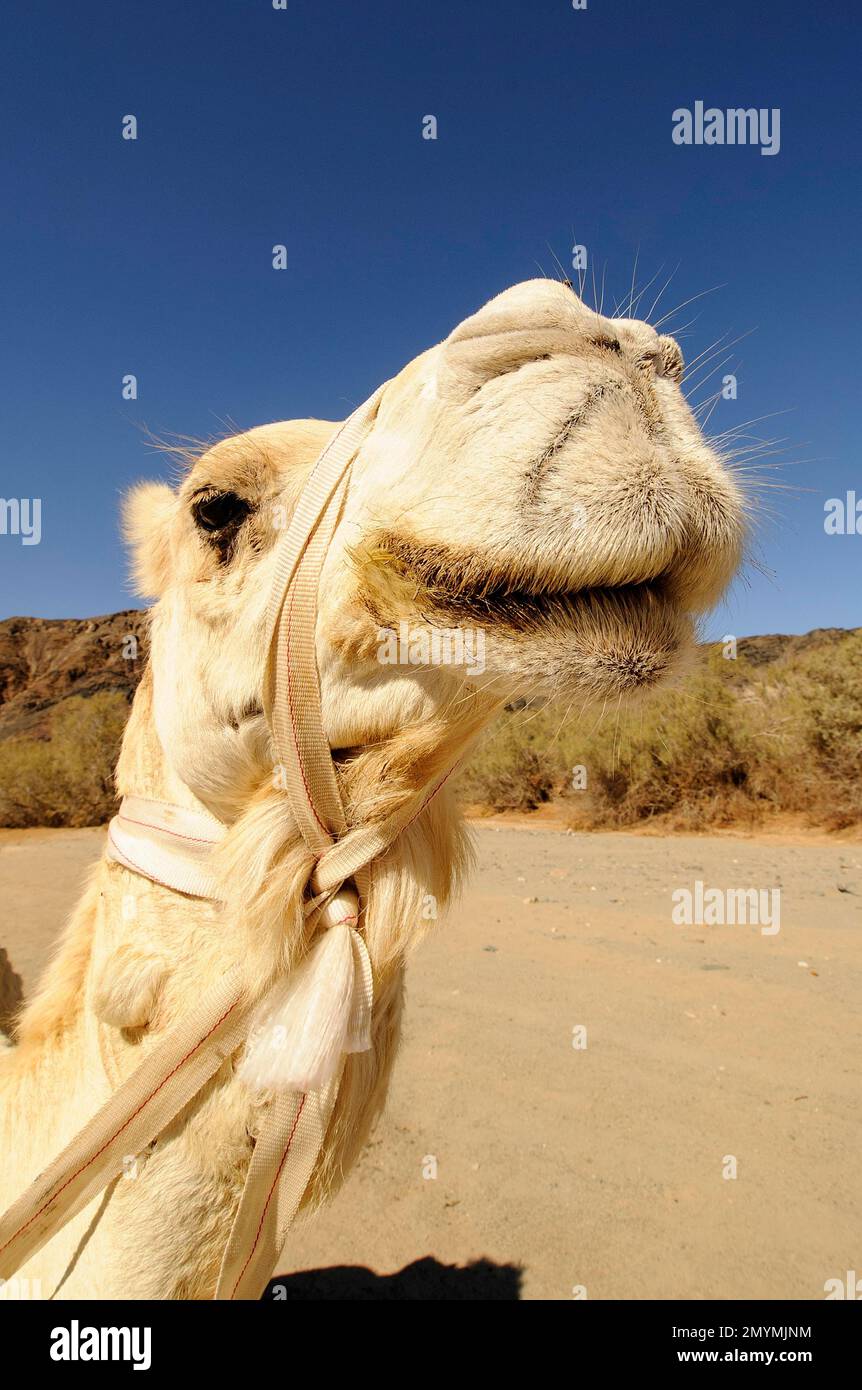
column 216, row 511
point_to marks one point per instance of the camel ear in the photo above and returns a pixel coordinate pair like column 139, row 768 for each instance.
column 148, row 510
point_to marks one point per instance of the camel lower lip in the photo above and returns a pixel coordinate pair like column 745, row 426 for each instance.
column 602, row 641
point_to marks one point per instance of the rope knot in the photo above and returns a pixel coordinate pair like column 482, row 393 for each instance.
column 306, row 1023
column 342, row 907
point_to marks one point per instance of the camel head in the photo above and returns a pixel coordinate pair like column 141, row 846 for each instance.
column 535, row 512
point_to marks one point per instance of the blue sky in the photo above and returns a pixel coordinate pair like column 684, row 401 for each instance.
column 303, row 127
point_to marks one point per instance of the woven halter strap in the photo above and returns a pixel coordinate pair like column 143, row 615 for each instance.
column 170, row 845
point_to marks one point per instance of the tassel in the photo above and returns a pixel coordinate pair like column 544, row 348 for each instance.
column 307, row 1022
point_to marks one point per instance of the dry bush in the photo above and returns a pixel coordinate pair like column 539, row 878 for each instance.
column 733, row 744
column 513, row 770
column 67, row 779
column 825, row 697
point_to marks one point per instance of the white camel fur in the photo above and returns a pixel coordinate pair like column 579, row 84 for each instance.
column 537, row 476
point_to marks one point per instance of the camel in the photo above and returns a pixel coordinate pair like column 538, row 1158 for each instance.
column 537, row 478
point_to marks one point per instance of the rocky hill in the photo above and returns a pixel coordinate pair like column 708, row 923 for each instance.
column 46, row 661
column 761, row 651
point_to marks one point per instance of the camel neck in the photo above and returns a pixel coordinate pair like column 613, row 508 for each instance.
column 143, row 770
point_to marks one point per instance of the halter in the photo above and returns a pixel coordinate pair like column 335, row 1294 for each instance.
column 322, row 1011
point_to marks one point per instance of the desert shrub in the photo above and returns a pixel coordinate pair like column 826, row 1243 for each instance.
column 825, row 697
column 512, row 771
column 67, row 779
column 733, row 743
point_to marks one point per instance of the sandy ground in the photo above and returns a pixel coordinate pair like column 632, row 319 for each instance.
column 599, row 1167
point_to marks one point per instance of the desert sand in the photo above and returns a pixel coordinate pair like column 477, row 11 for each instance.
column 511, row 1163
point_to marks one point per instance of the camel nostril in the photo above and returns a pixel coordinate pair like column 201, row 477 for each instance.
column 673, row 363
column 649, row 362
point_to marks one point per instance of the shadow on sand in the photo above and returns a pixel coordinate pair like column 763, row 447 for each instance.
column 426, row 1279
